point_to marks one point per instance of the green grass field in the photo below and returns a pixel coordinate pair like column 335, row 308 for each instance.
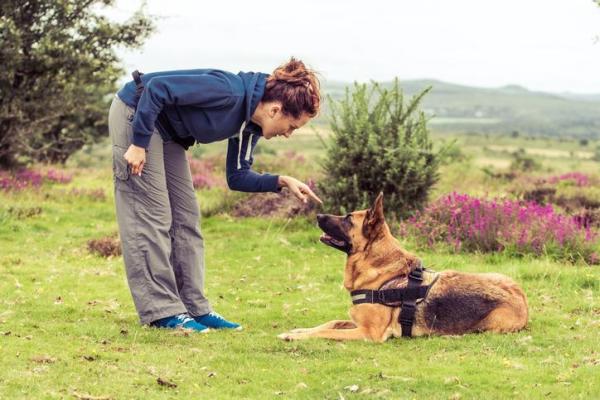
column 68, row 328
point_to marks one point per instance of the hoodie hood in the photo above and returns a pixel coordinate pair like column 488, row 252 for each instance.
column 254, row 85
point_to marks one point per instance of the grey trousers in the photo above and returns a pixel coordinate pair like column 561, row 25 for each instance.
column 159, row 224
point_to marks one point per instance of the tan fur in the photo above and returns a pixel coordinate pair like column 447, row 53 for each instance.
column 458, row 303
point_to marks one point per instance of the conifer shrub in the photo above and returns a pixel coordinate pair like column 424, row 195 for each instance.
column 379, row 142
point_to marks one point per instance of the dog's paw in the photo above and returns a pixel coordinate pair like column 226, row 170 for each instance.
column 300, row 330
column 289, row 336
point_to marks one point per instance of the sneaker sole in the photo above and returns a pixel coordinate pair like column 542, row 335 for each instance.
column 194, row 330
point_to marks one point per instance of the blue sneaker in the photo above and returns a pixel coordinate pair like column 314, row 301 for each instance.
column 216, row 321
column 183, row 321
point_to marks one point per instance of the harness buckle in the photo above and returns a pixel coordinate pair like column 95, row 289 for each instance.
column 417, row 276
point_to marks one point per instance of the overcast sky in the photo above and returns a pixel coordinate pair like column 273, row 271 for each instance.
column 546, row 45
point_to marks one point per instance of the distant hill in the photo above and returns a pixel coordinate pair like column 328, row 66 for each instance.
column 507, row 109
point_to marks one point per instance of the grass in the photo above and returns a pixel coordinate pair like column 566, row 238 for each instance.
column 68, row 328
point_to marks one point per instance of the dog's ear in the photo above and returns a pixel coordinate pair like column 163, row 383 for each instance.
column 374, row 216
column 378, row 204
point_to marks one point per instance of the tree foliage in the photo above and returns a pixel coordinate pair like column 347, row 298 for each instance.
column 59, row 67
column 379, row 143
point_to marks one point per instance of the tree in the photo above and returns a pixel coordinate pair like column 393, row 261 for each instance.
column 58, row 69
column 379, row 143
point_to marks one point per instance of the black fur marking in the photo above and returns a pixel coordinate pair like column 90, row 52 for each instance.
column 456, row 313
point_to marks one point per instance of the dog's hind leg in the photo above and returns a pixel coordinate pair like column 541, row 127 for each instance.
column 336, row 324
column 504, row 319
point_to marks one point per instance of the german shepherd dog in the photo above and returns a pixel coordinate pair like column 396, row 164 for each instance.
column 456, row 303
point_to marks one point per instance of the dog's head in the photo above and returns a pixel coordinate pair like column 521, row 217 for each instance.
column 353, row 232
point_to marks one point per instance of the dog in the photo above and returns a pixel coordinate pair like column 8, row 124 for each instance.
column 452, row 303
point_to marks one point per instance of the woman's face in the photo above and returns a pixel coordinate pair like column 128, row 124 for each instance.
column 279, row 124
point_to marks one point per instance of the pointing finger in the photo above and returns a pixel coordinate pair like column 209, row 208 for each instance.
column 312, row 195
column 298, row 193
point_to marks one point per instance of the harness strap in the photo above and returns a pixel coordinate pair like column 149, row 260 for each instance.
column 408, row 296
column 409, row 307
column 388, row 295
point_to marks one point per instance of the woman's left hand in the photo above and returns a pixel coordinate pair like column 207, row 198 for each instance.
column 300, row 189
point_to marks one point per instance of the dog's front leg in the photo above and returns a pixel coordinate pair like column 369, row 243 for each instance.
column 335, row 324
column 357, row 333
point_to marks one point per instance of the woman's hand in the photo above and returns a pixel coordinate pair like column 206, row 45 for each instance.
column 136, row 157
column 300, row 190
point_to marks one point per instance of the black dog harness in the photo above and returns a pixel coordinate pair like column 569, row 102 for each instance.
column 162, row 118
column 405, row 297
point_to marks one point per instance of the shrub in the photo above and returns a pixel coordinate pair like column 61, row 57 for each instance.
column 378, row 144
column 203, row 176
column 20, row 180
column 573, row 178
column 29, row 178
column 523, row 162
column 467, row 223
column 575, row 192
column 58, row 176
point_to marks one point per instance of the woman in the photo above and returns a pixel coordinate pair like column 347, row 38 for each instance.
column 157, row 211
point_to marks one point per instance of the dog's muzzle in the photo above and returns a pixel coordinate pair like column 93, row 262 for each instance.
column 332, row 234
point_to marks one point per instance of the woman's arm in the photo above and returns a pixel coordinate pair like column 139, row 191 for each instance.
column 240, row 176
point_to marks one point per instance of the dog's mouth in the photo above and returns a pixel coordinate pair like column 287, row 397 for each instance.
column 334, row 242
column 333, row 234
column 330, row 240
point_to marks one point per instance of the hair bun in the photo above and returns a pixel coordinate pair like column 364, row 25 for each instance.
column 294, row 72
column 296, row 86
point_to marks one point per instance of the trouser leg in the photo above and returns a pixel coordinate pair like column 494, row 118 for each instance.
column 187, row 243
column 144, row 219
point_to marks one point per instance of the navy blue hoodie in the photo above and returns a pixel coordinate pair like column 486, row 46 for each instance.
column 209, row 105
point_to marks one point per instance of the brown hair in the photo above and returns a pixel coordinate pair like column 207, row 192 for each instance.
column 296, row 87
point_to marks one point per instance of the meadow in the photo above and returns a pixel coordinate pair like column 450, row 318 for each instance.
column 68, row 328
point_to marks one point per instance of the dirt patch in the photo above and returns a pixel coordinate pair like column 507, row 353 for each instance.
column 109, row 246
column 283, row 204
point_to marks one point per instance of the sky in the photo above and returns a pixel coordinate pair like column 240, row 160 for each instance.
column 543, row 45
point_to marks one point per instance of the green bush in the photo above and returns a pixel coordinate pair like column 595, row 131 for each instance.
column 378, row 143
column 524, row 163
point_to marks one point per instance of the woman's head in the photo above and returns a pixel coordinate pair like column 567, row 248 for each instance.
column 295, row 87
column 291, row 98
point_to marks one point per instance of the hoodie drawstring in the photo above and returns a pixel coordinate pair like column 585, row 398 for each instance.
column 249, row 148
column 239, row 164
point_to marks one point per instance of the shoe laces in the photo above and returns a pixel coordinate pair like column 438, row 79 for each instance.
column 217, row 315
column 184, row 318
